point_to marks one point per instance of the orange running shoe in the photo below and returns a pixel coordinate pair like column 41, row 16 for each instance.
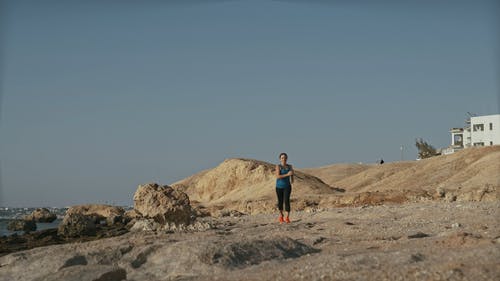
column 281, row 219
column 287, row 219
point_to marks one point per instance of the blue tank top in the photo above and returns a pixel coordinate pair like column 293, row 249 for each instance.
column 283, row 182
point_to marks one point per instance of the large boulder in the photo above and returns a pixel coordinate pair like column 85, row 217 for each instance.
column 163, row 204
column 41, row 215
column 99, row 212
column 22, row 225
column 77, row 225
column 131, row 216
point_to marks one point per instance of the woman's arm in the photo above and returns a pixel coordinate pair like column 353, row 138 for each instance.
column 277, row 172
column 291, row 173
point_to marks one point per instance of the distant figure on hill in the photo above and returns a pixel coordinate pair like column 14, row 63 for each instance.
column 284, row 180
column 381, row 161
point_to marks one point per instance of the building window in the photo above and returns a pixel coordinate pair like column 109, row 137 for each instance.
column 479, row 144
column 491, row 143
column 478, row 127
column 458, row 140
column 491, row 126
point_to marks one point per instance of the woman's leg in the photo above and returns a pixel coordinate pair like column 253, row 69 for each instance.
column 287, row 191
column 280, row 194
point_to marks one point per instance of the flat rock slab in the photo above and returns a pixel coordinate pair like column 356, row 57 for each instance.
column 251, row 252
column 87, row 273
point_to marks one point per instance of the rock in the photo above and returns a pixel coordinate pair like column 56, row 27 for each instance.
column 418, row 257
column 418, row 235
column 41, row 215
column 163, row 204
column 28, row 240
column 76, row 260
column 99, row 212
column 131, row 215
column 76, row 225
column 318, row 240
column 456, row 225
column 22, row 225
column 486, row 192
column 200, row 211
column 450, row 197
column 229, row 213
column 87, row 273
column 151, row 225
column 440, row 192
column 252, row 252
column 193, row 227
column 145, row 225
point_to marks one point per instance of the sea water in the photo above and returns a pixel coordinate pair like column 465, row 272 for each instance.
column 8, row 214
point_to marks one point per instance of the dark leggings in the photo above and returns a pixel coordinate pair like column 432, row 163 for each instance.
column 284, row 195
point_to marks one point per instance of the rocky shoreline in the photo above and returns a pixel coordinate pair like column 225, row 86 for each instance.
column 155, row 207
column 416, row 241
column 14, row 243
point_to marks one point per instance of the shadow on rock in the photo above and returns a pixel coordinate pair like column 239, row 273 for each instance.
column 246, row 253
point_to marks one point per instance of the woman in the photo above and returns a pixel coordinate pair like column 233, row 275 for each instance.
column 284, row 180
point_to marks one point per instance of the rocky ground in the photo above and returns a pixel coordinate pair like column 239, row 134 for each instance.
column 417, row 241
column 15, row 243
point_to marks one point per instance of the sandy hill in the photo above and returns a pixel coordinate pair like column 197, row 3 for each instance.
column 333, row 173
column 248, row 185
column 469, row 169
column 243, row 181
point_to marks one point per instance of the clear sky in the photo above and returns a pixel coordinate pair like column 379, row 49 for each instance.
column 98, row 97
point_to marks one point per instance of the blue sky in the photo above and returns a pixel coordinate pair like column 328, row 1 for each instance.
column 98, row 97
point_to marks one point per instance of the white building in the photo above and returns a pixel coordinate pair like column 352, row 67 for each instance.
column 485, row 130
column 479, row 131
